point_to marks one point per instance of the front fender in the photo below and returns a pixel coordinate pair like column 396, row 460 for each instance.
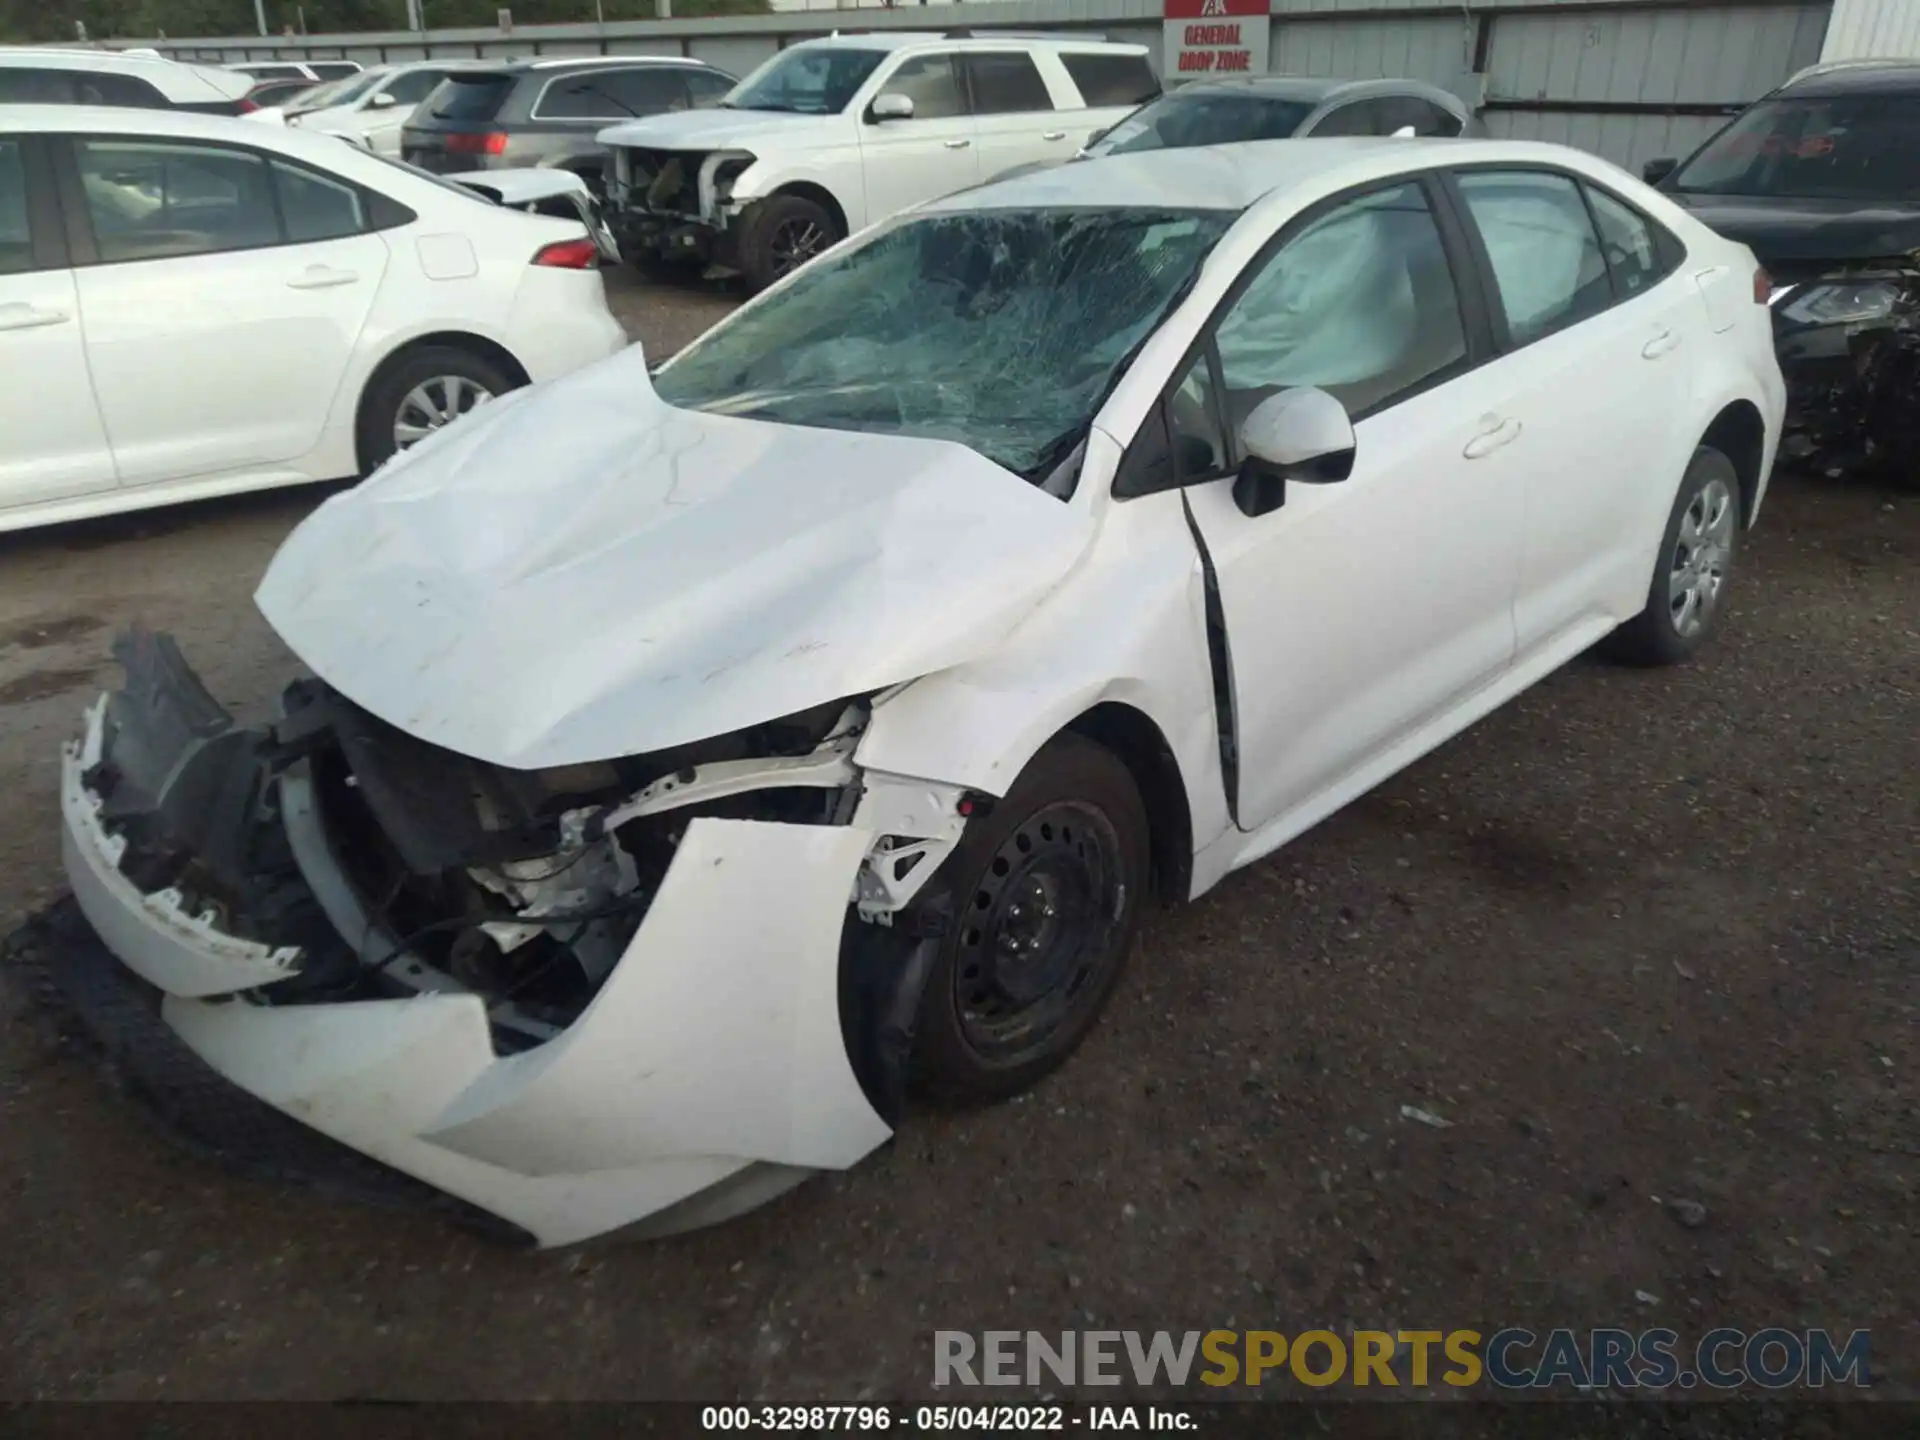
column 836, row 171
column 1128, row 626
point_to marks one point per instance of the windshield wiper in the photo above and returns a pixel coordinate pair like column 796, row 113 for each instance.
column 605, row 95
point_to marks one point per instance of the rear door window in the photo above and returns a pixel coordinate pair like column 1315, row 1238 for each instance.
column 316, row 207
column 1006, row 83
column 16, row 233
column 1399, row 112
column 644, row 90
column 22, row 86
column 1639, row 254
column 1362, row 117
column 125, row 90
column 1542, row 247
column 157, row 199
column 1104, row 79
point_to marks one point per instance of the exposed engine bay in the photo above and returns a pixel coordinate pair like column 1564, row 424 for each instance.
column 369, row 864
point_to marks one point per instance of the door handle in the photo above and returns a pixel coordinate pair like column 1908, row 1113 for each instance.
column 1054, row 135
column 1660, row 344
column 1497, row 432
column 321, row 277
column 29, row 317
column 956, row 144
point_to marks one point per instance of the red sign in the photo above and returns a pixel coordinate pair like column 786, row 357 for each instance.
column 1215, row 37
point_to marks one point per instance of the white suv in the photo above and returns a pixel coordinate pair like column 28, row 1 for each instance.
column 831, row 135
column 48, row 75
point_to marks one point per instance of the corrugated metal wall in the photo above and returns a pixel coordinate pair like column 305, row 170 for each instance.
column 1863, row 29
column 1628, row 79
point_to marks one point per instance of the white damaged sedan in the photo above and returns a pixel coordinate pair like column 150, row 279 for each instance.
column 689, row 764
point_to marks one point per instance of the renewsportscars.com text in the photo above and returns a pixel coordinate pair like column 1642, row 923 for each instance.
column 1724, row 1358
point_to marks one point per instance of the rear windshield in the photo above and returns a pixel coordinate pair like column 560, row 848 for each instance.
column 469, row 97
column 1830, row 147
column 1179, row 122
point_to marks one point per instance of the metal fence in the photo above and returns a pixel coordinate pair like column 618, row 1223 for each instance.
column 1627, row 79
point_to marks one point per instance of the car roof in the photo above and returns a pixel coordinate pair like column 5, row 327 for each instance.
column 164, row 74
column 1315, row 89
column 317, row 145
column 905, row 39
column 1235, row 177
column 1856, row 77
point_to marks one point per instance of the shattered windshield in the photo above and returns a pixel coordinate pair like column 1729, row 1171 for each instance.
column 1181, row 122
column 1002, row 330
column 816, row 80
column 1833, row 147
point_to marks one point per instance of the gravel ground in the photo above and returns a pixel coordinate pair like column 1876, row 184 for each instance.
column 1641, row 938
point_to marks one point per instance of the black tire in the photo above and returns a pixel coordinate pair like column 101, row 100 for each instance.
column 1060, row 867
column 1663, row 632
column 783, row 232
column 395, row 382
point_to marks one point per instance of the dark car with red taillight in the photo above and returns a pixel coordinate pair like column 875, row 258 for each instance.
column 546, row 112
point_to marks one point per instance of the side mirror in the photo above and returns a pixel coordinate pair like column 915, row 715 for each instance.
column 1405, row 132
column 1303, row 435
column 1654, row 171
column 891, row 106
column 382, row 101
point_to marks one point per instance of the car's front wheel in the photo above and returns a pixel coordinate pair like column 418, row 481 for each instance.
column 1695, row 563
column 424, row 390
column 1045, row 890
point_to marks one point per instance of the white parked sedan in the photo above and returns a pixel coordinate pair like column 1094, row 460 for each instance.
column 688, row 762
column 193, row 306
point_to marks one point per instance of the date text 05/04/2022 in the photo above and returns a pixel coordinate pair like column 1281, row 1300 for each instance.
column 929, row 1419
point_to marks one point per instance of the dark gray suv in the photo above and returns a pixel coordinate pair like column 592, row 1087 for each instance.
column 546, row 112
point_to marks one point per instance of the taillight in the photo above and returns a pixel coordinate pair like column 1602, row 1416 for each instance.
column 580, row 254
column 244, row 106
column 1762, row 287
column 493, row 144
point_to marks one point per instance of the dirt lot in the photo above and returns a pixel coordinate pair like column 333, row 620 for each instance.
column 1641, row 938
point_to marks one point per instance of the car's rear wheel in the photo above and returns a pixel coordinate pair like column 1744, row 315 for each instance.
column 1045, row 891
column 1697, row 552
column 423, row 391
column 785, row 232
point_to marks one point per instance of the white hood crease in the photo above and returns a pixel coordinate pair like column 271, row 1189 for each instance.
column 579, row 572
column 722, row 129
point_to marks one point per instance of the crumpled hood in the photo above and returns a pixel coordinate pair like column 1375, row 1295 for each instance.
column 579, row 571
column 724, row 130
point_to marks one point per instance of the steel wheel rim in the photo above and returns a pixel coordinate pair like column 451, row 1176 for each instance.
column 795, row 242
column 1035, row 943
column 433, row 404
column 1702, row 552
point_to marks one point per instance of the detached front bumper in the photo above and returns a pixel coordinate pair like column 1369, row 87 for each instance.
column 707, row 1074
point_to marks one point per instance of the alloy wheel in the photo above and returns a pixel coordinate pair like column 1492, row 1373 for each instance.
column 434, row 403
column 1701, row 553
column 796, row 242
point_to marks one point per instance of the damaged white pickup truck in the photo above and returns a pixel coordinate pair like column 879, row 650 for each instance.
column 688, row 763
